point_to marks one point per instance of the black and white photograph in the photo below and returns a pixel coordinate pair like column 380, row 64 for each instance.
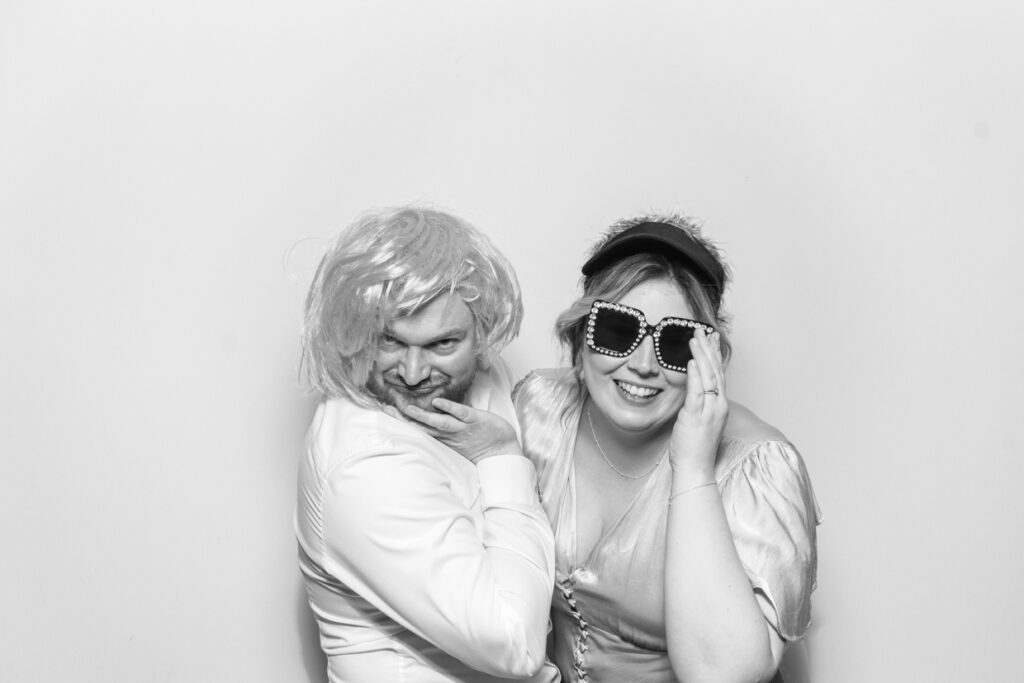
column 563, row 342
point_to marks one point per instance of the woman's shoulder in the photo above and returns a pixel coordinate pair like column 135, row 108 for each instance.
column 546, row 403
column 544, row 399
column 744, row 425
column 546, row 385
column 748, row 438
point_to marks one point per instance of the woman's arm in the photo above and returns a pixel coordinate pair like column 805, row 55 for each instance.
column 715, row 627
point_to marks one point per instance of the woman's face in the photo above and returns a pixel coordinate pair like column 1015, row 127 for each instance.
column 635, row 393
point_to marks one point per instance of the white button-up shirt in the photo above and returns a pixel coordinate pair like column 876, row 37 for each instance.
column 421, row 566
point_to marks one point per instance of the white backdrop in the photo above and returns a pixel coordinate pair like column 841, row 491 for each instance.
column 169, row 172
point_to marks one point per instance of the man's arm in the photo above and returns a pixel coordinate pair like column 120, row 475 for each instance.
column 397, row 533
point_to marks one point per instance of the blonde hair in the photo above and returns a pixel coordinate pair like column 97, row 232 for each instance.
column 388, row 264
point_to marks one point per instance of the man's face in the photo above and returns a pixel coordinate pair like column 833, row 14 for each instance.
column 426, row 355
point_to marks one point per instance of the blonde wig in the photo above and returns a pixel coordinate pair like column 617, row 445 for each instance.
column 389, row 264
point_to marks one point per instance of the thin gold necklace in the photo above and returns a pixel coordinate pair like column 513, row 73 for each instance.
column 615, row 469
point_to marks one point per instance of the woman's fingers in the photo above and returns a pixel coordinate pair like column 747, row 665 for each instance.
column 716, row 346
column 701, row 357
column 694, row 388
column 717, row 361
column 713, row 347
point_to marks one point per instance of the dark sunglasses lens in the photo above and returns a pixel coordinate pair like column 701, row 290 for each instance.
column 614, row 330
column 674, row 344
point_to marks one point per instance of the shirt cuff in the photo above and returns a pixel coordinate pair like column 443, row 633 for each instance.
column 507, row 479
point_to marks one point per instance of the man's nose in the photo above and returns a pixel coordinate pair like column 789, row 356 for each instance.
column 413, row 368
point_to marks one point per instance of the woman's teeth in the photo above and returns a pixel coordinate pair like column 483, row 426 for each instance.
column 633, row 391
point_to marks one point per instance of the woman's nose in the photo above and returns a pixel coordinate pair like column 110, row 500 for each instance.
column 643, row 360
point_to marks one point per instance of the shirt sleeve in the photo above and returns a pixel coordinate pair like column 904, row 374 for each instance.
column 773, row 516
column 398, row 534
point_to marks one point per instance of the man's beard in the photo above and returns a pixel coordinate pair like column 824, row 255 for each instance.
column 391, row 390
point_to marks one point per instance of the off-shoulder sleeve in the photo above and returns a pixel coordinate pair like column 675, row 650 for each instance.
column 542, row 401
column 773, row 516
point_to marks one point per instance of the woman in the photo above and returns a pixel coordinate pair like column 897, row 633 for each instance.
column 684, row 525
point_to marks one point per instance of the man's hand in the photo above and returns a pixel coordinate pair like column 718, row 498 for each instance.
column 474, row 434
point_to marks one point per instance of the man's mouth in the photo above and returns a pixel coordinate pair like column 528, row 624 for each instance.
column 417, row 389
column 635, row 392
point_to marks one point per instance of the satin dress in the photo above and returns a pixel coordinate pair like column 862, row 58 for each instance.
column 608, row 607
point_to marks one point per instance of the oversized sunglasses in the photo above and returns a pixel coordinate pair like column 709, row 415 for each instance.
column 616, row 330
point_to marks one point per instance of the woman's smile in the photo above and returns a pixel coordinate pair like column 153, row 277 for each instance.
column 636, row 393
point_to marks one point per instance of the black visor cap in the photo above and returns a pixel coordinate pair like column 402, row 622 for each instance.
column 660, row 238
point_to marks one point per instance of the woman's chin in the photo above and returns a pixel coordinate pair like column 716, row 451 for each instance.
column 638, row 419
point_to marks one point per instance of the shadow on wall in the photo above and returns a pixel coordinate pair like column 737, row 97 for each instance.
column 313, row 659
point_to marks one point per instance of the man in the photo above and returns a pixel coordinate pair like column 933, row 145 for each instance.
column 420, row 564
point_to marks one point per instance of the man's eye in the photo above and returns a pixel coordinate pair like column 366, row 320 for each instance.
column 388, row 340
column 445, row 344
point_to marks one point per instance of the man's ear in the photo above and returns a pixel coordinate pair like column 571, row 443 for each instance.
column 484, row 359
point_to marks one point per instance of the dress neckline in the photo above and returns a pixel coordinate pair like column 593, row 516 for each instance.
column 571, row 506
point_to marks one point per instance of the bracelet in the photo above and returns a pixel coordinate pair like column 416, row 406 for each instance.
column 692, row 488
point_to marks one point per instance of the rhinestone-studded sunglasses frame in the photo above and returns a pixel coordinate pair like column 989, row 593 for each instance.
column 643, row 329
